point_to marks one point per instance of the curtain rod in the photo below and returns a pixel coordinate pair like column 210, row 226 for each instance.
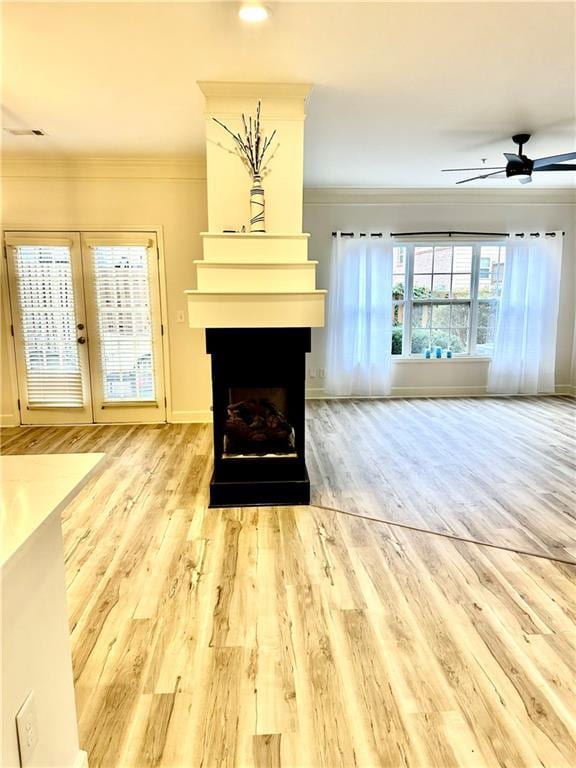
column 360, row 234
column 450, row 233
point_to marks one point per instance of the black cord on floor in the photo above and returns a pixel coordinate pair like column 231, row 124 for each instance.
column 452, row 536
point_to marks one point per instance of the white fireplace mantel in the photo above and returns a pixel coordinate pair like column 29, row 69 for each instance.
column 255, row 280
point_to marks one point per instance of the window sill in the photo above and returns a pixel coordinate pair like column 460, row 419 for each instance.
column 455, row 359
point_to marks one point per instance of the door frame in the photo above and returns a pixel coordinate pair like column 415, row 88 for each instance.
column 153, row 229
column 10, row 418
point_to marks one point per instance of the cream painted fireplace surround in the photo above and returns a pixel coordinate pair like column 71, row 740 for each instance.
column 255, row 280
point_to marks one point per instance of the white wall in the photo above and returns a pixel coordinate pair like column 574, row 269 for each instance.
column 423, row 210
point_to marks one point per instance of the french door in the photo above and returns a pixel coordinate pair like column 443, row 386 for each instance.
column 87, row 327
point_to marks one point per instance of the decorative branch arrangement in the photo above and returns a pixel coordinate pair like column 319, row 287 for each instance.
column 252, row 146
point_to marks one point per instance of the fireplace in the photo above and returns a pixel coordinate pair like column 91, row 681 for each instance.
column 256, row 299
column 258, row 377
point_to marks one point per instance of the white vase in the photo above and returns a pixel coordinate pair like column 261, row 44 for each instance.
column 257, row 206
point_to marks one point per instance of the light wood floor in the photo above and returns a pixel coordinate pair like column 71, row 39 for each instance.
column 499, row 470
column 299, row 637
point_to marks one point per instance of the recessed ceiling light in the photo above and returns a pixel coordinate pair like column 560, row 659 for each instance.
column 253, row 12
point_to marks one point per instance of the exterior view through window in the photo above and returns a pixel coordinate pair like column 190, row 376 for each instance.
column 123, row 301
column 446, row 296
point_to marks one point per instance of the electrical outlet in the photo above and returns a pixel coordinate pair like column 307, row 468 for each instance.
column 180, row 316
column 311, row 373
column 27, row 728
column 321, row 373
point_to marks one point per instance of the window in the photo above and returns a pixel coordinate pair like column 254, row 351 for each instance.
column 447, row 296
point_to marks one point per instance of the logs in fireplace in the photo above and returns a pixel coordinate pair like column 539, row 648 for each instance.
column 256, row 427
column 258, row 378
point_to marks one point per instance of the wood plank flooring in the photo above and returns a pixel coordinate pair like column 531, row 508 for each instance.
column 299, row 637
column 500, row 470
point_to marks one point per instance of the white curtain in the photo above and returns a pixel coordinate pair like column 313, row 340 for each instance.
column 359, row 327
column 524, row 355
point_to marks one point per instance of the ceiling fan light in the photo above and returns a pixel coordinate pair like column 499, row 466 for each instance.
column 253, row 12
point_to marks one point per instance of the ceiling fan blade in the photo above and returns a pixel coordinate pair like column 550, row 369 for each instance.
column 554, row 159
column 525, row 180
column 556, row 167
column 500, row 174
column 483, row 168
column 512, row 158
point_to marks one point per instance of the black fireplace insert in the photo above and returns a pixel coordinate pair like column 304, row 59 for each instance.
column 258, row 379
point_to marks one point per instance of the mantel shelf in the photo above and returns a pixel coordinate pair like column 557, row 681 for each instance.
column 264, row 309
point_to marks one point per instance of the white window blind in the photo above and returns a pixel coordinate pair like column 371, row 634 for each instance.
column 46, row 303
column 122, row 294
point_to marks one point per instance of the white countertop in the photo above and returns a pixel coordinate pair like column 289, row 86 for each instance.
column 35, row 487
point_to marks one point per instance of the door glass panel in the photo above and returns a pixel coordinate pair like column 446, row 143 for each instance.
column 46, row 302
column 124, row 322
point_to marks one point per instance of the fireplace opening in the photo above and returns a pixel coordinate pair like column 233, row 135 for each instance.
column 257, row 423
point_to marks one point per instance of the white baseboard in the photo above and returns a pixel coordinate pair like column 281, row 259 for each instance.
column 456, row 391
column 407, row 392
column 190, row 417
column 315, row 393
column 466, row 391
column 81, row 759
column 9, row 420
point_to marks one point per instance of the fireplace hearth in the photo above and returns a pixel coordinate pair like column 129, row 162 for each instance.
column 258, row 379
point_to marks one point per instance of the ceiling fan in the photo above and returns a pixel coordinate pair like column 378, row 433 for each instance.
column 519, row 165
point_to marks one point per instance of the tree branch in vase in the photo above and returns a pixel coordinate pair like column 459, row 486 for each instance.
column 252, row 148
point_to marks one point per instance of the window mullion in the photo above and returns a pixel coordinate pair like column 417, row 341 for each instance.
column 409, row 272
column 475, row 280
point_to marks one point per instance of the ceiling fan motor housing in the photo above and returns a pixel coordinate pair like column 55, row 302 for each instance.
column 521, row 167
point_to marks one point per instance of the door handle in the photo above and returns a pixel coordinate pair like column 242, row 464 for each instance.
column 81, row 340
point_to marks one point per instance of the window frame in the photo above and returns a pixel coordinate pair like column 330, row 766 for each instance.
column 473, row 301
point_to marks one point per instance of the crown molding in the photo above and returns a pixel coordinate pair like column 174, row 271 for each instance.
column 239, row 90
column 281, row 101
column 185, row 167
column 104, row 167
column 436, row 196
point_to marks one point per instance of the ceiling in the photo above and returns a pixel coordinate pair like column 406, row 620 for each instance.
column 401, row 90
